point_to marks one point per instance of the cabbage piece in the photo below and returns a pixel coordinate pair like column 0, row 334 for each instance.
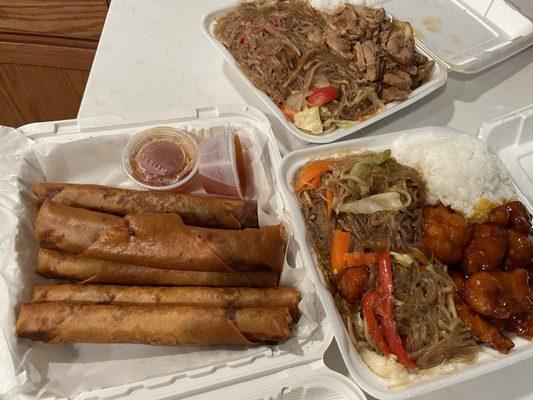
column 325, row 113
column 364, row 167
column 379, row 158
column 405, row 260
column 389, row 201
column 309, row 120
column 386, row 367
column 295, row 101
column 339, row 123
column 374, row 98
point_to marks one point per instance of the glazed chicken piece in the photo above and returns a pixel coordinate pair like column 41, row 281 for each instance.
column 520, row 254
column 445, row 234
column 353, row 283
column 513, row 215
column 482, row 329
column 487, row 249
column 521, row 324
column 499, row 323
column 478, row 327
column 458, row 281
column 498, row 294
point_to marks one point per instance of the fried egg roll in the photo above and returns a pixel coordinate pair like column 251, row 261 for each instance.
column 57, row 265
column 159, row 240
column 212, row 212
column 154, row 324
column 179, row 296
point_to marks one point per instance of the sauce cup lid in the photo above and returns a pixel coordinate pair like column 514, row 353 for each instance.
column 161, row 158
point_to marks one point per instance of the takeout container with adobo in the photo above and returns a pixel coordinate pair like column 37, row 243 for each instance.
column 506, row 142
column 193, row 273
column 321, row 105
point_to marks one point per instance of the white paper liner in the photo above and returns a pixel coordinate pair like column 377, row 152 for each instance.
column 67, row 370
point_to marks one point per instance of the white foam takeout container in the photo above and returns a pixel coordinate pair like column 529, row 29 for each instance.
column 511, row 140
column 291, row 370
column 465, row 36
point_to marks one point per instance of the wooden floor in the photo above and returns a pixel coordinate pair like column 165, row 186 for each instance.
column 46, row 51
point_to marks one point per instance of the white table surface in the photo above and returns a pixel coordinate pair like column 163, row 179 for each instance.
column 153, row 58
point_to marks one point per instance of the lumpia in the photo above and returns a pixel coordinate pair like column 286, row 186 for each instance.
column 179, row 296
column 154, row 325
column 212, row 212
column 57, row 265
column 159, row 241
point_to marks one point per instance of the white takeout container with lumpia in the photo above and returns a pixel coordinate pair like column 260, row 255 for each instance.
column 465, row 36
column 89, row 151
column 510, row 139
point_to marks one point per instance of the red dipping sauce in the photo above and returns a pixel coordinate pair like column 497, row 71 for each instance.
column 161, row 158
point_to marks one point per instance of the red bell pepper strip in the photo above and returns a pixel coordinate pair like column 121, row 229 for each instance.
column 369, row 301
column 288, row 112
column 387, row 310
column 323, row 95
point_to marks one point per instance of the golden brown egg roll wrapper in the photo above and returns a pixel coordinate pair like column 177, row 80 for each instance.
column 72, row 229
column 212, row 212
column 159, row 241
column 57, row 265
column 179, row 296
column 155, row 324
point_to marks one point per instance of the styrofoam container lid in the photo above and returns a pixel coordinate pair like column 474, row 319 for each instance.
column 307, row 382
column 465, row 35
column 510, row 138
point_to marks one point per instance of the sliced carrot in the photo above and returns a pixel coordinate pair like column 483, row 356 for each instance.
column 357, row 259
column 339, row 247
column 329, row 202
column 310, row 175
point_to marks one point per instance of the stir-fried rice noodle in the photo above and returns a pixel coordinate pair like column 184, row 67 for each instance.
column 379, row 231
column 424, row 309
column 287, row 48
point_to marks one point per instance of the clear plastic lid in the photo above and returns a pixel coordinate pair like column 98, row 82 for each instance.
column 161, row 158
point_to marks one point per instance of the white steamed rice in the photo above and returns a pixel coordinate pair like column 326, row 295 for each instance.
column 459, row 171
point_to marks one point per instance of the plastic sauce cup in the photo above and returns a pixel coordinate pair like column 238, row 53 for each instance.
column 161, row 158
column 221, row 165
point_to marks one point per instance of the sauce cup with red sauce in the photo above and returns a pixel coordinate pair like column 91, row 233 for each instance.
column 161, row 158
